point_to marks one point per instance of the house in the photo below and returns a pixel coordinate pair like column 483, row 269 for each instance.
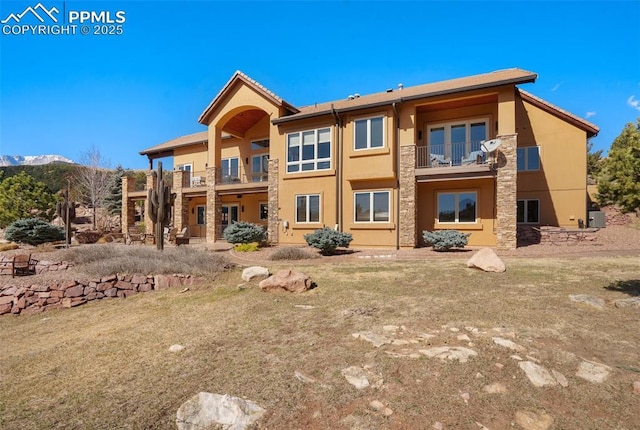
column 383, row 167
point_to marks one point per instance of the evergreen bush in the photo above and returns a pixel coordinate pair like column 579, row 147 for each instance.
column 327, row 240
column 244, row 232
column 33, row 231
column 444, row 240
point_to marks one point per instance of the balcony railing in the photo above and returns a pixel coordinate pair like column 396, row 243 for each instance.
column 225, row 178
column 194, row 179
column 450, row 154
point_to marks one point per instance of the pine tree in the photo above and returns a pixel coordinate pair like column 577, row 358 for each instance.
column 619, row 181
column 114, row 199
column 21, row 196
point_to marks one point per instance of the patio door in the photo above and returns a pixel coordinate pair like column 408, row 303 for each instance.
column 230, row 214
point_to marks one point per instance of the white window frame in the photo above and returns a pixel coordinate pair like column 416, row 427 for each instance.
column 260, row 205
column 315, row 161
column 525, row 211
column 526, row 150
column 457, row 206
column 368, row 121
column 227, row 174
column 371, row 212
column 187, row 167
column 308, row 208
column 467, row 133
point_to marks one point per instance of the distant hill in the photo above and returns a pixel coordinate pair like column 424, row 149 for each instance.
column 54, row 175
column 32, row 160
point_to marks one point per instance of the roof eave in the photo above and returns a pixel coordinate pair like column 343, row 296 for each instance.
column 513, row 81
column 152, row 151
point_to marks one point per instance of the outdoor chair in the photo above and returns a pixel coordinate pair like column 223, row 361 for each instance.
column 182, row 238
column 475, row 157
column 439, row 160
column 22, row 264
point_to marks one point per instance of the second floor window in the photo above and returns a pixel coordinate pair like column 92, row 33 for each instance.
column 528, row 158
column 369, row 133
column 309, row 150
column 230, row 170
column 455, row 141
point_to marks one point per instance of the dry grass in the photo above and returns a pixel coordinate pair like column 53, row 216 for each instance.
column 107, row 259
column 106, row 365
column 290, row 253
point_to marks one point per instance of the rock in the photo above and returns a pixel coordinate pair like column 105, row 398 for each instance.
column 76, row 291
column 287, row 280
column 593, row 372
column 438, row 426
column 636, row 387
column 376, row 405
column 254, row 272
column 508, row 344
column 627, row 303
column 176, row 348
column 532, row 421
column 487, row 260
column 464, row 338
column 495, row 388
column 356, row 376
column 459, row 353
column 206, row 410
column 303, row 378
column 466, row 397
column 538, row 375
column 376, row 339
column 595, row 302
column 162, row 282
column 562, row 380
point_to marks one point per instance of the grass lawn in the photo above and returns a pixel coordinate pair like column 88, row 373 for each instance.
column 107, row 365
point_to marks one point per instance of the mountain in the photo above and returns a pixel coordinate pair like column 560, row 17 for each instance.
column 32, row 160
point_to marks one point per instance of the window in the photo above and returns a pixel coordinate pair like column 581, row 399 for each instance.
column 260, row 145
column 457, row 207
column 201, row 216
column 309, row 150
column 528, row 158
column 369, row 133
column 456, row 140
column 259, row 168
column 264, row 211
column 308, row 208
column 528, row 212
column 372, row 206
column 230, row 171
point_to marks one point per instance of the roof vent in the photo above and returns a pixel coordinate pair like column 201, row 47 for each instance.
column 389, row 90
column 356, row 95
column 351, row 97
column 400, row 86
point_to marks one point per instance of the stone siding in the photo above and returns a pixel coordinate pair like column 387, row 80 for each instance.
column 273, row 220
column 407, row 219
column 214, row 207
column 507, row 189
column 128, row 206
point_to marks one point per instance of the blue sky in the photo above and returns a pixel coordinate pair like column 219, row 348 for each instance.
column 62, row 94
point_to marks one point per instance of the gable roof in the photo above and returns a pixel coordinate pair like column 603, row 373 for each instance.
column 487, row 80
column 583, row 124
column 168, row 146
column 238, row 76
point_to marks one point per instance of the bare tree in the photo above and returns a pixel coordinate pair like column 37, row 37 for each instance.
column 93, row 179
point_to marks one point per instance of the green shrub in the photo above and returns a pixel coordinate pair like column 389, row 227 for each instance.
column 327, row 240
column 246, row 247
column 33, row 231
column 444, row 240
column 244, row 232
column 290, row 253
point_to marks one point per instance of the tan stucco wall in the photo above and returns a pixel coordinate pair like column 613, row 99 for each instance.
column 195, row 155
column 560, row 184
column 482, row 232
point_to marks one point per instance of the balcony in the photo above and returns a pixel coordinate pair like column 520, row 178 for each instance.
column 194, row 179
column 452, row 160
column 242, row 182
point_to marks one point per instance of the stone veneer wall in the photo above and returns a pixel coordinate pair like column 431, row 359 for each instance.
column 407, row 218
column 36, row 298
column 272, row 228
column 506, row 196
column 128, row 206
column 214, row 207
column 181, row 203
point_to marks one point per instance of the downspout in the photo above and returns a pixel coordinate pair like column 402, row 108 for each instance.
column 338, row 168
column 396, row 118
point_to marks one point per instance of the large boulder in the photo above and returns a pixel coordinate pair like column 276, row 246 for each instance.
column 207, row 410
column 254, row 272
column 287, row 280
column 487, row 260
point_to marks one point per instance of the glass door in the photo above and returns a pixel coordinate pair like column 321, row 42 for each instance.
column 229, row 215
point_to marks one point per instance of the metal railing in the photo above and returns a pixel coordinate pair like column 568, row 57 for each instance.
column 230, row 179
column 194, row 179
column 450, row 154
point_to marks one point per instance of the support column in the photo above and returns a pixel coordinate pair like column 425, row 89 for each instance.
column 273, row 220
column 181, row 202
column 214, row 207
column 506, row 192
column 151, row 183
column 128, row 210
column 407, row 213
